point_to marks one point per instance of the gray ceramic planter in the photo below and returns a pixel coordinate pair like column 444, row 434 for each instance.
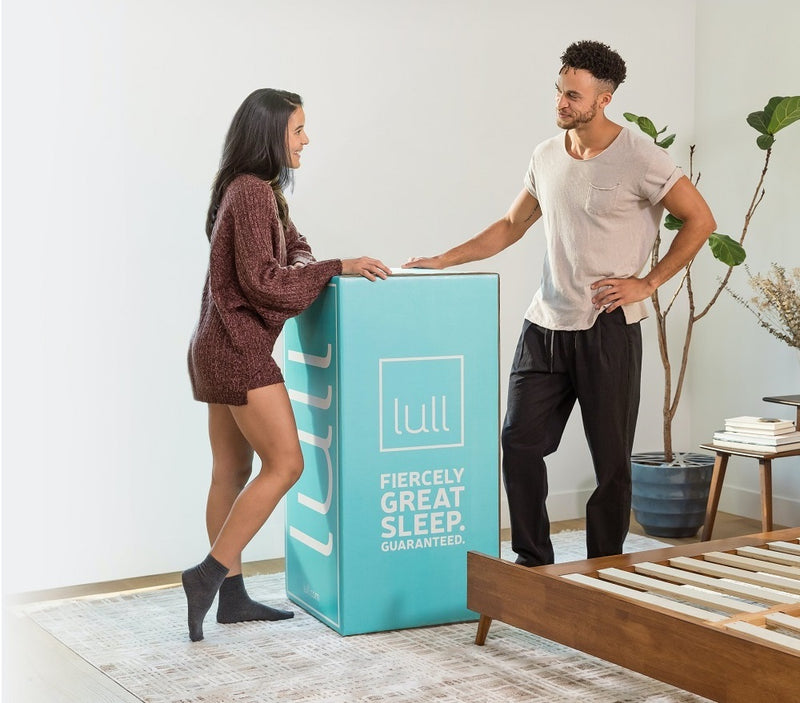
column 669, row 500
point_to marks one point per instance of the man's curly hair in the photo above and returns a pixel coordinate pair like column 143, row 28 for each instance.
column 599, row 59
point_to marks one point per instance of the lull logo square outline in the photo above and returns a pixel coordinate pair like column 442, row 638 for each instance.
column 437, row 415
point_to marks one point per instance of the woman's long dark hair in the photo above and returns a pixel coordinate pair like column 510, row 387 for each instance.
column 256, row 144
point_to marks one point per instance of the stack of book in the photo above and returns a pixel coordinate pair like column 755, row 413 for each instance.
column 758, row 434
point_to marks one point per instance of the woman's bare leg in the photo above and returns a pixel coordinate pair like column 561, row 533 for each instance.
column 232, row 466
column 267, row 425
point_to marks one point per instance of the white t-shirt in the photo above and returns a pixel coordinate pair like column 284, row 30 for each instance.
column 601, row 217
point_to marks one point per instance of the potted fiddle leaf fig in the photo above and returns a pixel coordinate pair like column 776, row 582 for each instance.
column 670, row 488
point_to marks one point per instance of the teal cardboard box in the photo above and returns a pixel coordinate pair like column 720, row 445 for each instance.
column 394, row 385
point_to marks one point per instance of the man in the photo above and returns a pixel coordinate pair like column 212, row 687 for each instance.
column 600, row 191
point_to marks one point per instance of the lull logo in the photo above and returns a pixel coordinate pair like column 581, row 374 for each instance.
column 421, row 403
column 318, row 396
column 423, row 412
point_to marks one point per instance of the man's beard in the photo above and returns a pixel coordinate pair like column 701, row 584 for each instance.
column 578, row 119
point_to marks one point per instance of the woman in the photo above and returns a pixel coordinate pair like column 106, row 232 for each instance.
column 261, row 273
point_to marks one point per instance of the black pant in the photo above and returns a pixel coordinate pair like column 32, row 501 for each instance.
column 601, row 369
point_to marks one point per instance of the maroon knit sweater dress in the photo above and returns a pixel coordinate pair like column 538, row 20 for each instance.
column 259, row 275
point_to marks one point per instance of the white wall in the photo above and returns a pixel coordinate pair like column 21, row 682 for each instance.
column 746, row 55
column 422, row 116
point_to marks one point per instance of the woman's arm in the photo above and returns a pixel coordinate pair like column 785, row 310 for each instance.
column 287, row 290
column 298, row 251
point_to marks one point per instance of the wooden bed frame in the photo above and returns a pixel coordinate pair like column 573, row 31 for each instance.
column 732, row 646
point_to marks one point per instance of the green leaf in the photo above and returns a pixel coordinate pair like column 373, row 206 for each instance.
column 646, row 125
column 726, row 250
column 765, row 141
column 786, row 112
column 666, row 142
column 769, row 110
column 672, row 223
column 758, row 121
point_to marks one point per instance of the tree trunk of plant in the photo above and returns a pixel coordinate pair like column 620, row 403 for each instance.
column 667, row 402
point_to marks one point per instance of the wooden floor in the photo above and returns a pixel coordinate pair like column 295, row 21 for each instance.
column 37, row 668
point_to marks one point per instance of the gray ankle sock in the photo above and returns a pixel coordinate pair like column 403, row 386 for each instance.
column 201, row 583
column 236, row 606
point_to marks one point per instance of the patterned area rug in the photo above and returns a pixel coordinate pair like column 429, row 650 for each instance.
column 139, row 640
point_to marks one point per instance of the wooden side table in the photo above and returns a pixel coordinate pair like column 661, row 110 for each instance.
column 764, row 466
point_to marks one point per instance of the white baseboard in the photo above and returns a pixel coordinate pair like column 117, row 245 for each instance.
column 747, row 503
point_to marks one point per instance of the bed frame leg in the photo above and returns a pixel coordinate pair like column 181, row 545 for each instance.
column 483, row 629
